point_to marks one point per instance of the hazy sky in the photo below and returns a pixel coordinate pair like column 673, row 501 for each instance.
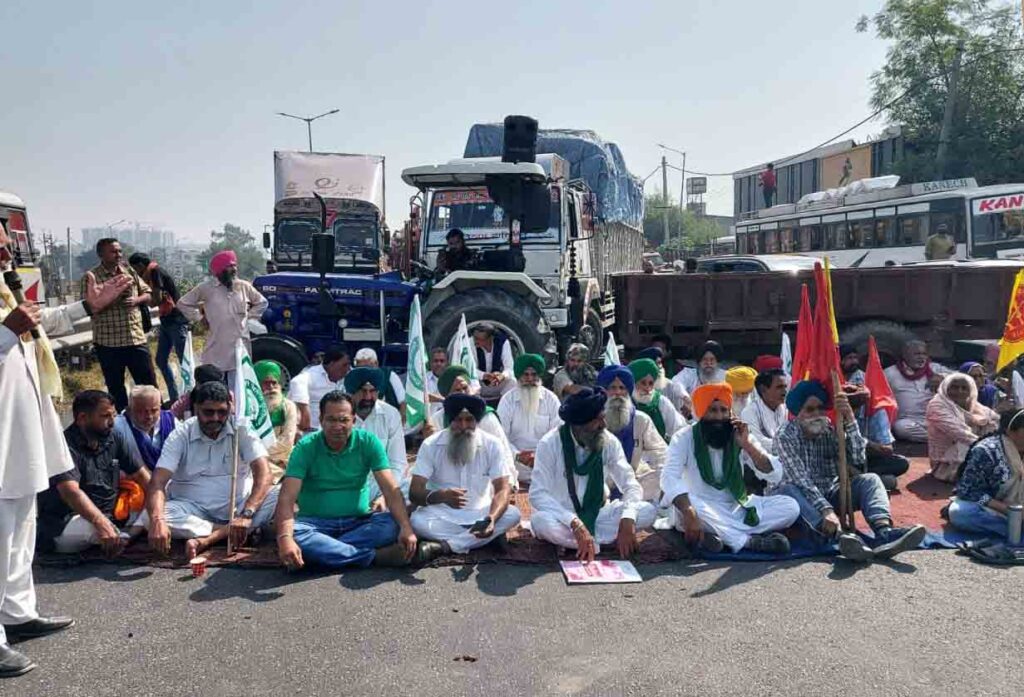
column 165, row 112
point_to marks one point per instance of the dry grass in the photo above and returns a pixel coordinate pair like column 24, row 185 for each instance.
column 92, row 378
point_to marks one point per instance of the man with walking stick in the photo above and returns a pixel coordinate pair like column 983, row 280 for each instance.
column 809, row 447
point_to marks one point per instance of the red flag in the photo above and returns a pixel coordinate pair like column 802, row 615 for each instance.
column 824, row 352
column 882, row 397
column 804, row 337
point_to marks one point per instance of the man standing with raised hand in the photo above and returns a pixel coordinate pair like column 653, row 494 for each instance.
column 32, row 445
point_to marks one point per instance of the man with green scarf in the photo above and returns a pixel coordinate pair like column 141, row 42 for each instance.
column 284, row 416
column 569, row 494
column 703, row 482
column 649, row 400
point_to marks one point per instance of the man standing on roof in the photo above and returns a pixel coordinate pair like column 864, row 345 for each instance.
column 767, row 181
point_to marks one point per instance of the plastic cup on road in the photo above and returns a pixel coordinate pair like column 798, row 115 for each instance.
column 198, row 565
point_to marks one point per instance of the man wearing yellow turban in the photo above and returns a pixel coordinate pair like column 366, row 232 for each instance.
column 703, row 481
column 741, row 380
column 528, row 411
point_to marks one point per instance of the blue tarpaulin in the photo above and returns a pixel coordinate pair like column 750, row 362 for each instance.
column 620, row 196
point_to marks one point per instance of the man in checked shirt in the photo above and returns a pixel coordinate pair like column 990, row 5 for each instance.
column 809, row 451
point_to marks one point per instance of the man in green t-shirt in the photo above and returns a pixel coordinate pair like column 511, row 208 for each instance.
column 327, row 478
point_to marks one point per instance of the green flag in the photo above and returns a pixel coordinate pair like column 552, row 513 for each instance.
column 250, row 407
column 611, row 352
column 187, row 368
column 463, row 351
column 416, row 375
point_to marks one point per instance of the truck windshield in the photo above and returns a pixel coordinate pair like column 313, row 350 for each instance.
column 357, row 232
column 481, row 220
column 998, row 219
column 296, row 234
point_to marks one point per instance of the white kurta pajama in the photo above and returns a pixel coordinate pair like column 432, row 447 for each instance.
column 649, row 451
column 912, row 397
column 525, row 431
column 385, row 422
column 763, row 422
column 551, row 504
column 489, row 424
column 717, row 509
column 441, row 522
column 32, row 449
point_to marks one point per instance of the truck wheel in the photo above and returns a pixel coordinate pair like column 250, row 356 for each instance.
column 511, row 314
column 890, row 337
column 591, row 334
column 287, row 352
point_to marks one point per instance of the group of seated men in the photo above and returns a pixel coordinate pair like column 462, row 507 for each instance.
column 727, row 458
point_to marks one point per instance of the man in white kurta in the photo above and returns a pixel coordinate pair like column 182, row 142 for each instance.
column 914, row 380
column 558, row 513
column 382, row 420
column 644, row 449
column 765, row 413
column 708, row 370
column 705, row 508
column 670, row 389
column 32, row 447
column 307, row 388
column 528, row 412
column 649, row 399
column 461, row 482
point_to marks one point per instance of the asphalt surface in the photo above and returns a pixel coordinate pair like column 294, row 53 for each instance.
column 931, row 624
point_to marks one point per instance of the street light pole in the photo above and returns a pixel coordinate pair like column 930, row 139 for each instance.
column 309, row 122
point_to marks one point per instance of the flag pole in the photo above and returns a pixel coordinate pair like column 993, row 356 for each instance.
column 845, row 494
column 234, row 478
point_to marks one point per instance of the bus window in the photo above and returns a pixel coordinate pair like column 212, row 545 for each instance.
column 771, row 242
column 949, row 212
column 754, row 245
column 859, row 234
column 810, row 238
column 835, row 235
column 741, row 243
column 913, row 230
column 885, row 232
column 787, row 237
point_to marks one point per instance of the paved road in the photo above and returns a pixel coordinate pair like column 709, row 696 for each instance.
column 934, row 624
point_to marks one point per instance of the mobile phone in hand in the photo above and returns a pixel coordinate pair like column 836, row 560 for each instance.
column 480, row 525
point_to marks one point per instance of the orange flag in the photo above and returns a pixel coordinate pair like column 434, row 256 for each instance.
column 824, row 351
column 804, row 337
column 1011, row 346
column 882, row 397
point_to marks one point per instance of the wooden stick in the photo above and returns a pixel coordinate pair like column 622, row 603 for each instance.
column 234, row 479
column 845, row 494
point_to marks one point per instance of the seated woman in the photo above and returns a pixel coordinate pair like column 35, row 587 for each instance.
column 988, row 393
column 955, row 421
column 992, row 479
column 284, row 415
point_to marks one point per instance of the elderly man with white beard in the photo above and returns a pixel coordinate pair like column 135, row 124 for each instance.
column 671, row 390
column 32, row 444
column 703, row 481
column 381, row 419
column 707, row 372
column 576, row 373
column 649, row 399
column 461, row 483
column 644, row 449
column 569, row 493
column 809, row 451
column 528, row 412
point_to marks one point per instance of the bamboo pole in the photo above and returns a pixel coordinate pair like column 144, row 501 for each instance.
column 234, row 479
column 845, row 494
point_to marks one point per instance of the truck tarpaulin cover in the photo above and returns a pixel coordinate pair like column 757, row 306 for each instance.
column 620, row 196
column 298, row 175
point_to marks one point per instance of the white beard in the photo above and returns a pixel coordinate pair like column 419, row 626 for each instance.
column 643, row 398
column 530, row 399
column 461, row 447
column 617, row 413
column 708, row 374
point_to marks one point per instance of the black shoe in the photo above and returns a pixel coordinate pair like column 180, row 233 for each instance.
column 427, row 551
column 13, row 663
column 40, row 626
column 889, row 481
column 854, row 549
column 773, row 543
column 392, row 555
column 711, row 543
column 892, row 541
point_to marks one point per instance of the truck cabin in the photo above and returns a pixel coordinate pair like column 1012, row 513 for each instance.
column 356, row 226
column 460, row 196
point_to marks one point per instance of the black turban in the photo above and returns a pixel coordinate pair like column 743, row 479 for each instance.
column 455, row 404
column 711, row 347
column 584, row 406
column 653, row 352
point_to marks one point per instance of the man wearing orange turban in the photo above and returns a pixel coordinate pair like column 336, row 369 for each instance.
column 703, row 482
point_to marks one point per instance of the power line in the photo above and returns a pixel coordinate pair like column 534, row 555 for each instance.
column 860, row 123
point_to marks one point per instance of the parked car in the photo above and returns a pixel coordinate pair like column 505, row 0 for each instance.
column 739, row 263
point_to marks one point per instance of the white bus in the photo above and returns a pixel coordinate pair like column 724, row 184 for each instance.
column 875, row 223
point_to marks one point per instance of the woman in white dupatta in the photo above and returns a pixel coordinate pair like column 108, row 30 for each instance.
column 955, row 420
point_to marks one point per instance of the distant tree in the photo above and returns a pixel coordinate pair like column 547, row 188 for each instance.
column 988, row 126
column 686, row 228
column 251, row 262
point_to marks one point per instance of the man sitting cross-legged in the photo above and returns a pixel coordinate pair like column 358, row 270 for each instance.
column 461, row 482
column 569, row 491
column 327, row 479
column 809, row 450
column 527, row 412
column 190, row 491
column 703, row 481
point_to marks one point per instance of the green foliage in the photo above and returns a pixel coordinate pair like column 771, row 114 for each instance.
column 988, row 127
column 686, row 229
column 251, row 262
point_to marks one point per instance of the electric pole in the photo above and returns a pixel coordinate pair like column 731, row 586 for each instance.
column 946, row 133
column 664, row 196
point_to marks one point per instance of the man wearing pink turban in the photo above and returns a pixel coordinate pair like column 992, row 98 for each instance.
column 225, row 303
